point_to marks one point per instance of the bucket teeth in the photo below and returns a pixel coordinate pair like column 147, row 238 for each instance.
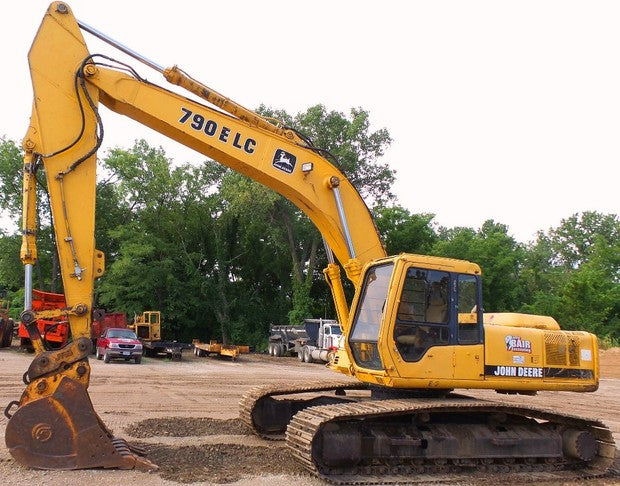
column 122, row 445
column 133, row 455
column 134, row 461
column 136, row 449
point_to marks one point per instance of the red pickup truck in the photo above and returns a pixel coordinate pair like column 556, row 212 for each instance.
column 118, row 343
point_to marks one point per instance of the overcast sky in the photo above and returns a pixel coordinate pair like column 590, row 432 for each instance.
column 501, row 110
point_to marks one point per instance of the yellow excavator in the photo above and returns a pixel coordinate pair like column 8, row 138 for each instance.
column 414, row 330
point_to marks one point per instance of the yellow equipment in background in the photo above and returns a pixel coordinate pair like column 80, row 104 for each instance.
column 414, row 330
column 147, row 326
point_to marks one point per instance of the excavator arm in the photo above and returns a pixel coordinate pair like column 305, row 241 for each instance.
column 55, row 425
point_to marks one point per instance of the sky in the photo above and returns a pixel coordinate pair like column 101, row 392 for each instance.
column 498, row 110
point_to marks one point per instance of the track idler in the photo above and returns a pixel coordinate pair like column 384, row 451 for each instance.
column 56, row 426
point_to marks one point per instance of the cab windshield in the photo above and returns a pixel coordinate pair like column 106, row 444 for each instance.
column 367, row 321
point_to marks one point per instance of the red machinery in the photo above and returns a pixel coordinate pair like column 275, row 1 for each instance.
column 54, row 332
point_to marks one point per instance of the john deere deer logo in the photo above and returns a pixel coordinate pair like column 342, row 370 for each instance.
column 284, row 161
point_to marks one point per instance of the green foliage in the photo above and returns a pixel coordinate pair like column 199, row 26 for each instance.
column 11, row 270
column 223, row 257
column 607, row 342
column 573, row 274
column 497, row 253
column 193, row 242
column 302, row 301
column 11, row 273
column 11, row 164
column 46, row 275
column 220, row 255
column 573, row 242
column 403, row 232
column 356, row 149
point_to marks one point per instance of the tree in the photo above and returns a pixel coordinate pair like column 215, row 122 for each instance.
column 248, row 257
column 572, row 273
column 11, row 165
column 573, row 241
column 402, row 231
column 497, row 253
column 355, row 150
column 350, row 145
column 192, row 242
column 143, row 231
column 590, row 296
column 46, row 269
column 11, row 273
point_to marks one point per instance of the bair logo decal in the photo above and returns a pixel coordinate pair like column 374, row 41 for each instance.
column 518, row 345
column 285, row 161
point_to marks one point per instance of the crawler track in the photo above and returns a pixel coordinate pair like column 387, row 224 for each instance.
column 309, row 424
column 256, row 407
column 393, row 431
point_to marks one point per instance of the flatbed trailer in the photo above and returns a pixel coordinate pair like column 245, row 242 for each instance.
column 171, row 349
column 213, row 348
column 148, row 329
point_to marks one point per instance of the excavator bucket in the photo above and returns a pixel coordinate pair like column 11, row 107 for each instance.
column 63, row 431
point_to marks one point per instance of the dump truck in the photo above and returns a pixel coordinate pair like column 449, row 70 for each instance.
column 315, row 340
column 322, row 342
column 283, row 338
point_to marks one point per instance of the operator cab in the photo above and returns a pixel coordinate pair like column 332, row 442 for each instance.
column 423, row 302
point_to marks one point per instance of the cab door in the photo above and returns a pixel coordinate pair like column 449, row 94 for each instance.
column 468, row 351
column 422, row 331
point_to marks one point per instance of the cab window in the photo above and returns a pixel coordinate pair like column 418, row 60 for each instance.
column 423, row 316
column 468, row 329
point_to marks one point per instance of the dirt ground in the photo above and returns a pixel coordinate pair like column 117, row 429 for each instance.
column 185, row 415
